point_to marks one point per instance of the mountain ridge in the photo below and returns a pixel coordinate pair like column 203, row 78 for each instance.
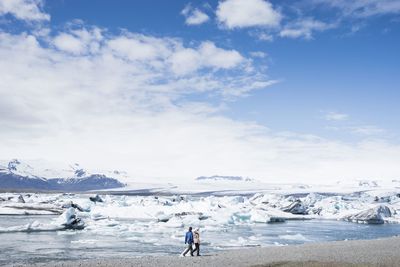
column 19, row 175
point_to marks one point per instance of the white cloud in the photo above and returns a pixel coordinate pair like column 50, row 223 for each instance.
column 335, row 116
column 194, row 16
column 304, row 28
column 363, row 8
column 265, row 37
column 247, row 13
column 101, row 109
column 185, row 61
column 258, row 54
column 219, row 58
column 69, row 43
column 78, row 41
column 360, row 130
column 188, row 60
column 106, row 105
column 138, row 47
column 28, row 10
column 129, row 105
column 367, row 130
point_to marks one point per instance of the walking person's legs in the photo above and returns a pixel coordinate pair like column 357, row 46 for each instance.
column 185, row 251
column 189, row 248
column 197, row 249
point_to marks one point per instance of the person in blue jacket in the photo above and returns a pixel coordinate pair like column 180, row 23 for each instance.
column 189, row 242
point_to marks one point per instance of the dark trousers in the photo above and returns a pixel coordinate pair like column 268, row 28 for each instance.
column 197, row 248
column 189, row 248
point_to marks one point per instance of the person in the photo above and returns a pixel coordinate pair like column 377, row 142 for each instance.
column 189, row 242
column 196, row 240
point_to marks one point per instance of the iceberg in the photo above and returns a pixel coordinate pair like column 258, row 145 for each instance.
column 70, row 221
column 96, row 198
column 170, row 211
column 66, row 221
column 297, row 207
column 375, row 215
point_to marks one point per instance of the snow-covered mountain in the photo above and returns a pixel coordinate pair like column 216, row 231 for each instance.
column 40, row 175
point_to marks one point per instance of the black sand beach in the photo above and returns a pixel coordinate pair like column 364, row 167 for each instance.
column 379, row 252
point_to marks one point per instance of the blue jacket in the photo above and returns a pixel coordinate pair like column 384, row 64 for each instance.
column 189, row 238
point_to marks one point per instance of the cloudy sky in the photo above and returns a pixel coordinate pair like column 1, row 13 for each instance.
column 304, row 91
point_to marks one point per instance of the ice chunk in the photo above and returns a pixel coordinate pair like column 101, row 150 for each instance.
column 96, row 198
column 34, row 226
column 297, row 207
column 74, row 205
column 29, row 209
column 261, row 216
column 297, row 237
column 162, row 217
column 374, row 215
column 21, row 199
column 70, row 221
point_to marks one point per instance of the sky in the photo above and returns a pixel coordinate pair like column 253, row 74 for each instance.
column 294, row 91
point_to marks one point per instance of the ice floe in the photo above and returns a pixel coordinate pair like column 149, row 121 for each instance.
column 168, row 212
column 66, row 221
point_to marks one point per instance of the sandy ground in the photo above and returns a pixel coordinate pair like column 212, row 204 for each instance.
column 379, row 252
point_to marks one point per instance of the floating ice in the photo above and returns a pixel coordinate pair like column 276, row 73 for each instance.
column 96, row 198
column 171, row 214
column 298, row 237
column 297, row 207
column 68, row 220
column 375, row 215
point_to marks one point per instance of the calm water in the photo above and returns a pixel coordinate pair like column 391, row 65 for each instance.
column 114, row 242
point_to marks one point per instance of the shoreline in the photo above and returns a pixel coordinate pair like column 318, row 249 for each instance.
column 375, row 252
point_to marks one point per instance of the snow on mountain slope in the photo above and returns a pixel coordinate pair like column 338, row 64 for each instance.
column 48, row 170
column 19, row 168
column 42, row 175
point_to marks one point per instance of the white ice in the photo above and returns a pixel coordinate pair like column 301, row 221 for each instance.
column 122, row 215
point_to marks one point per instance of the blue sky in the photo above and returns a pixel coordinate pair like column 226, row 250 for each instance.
column 250, row 80
column 335, row 71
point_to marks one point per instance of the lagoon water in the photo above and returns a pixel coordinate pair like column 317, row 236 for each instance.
column 122, row 240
